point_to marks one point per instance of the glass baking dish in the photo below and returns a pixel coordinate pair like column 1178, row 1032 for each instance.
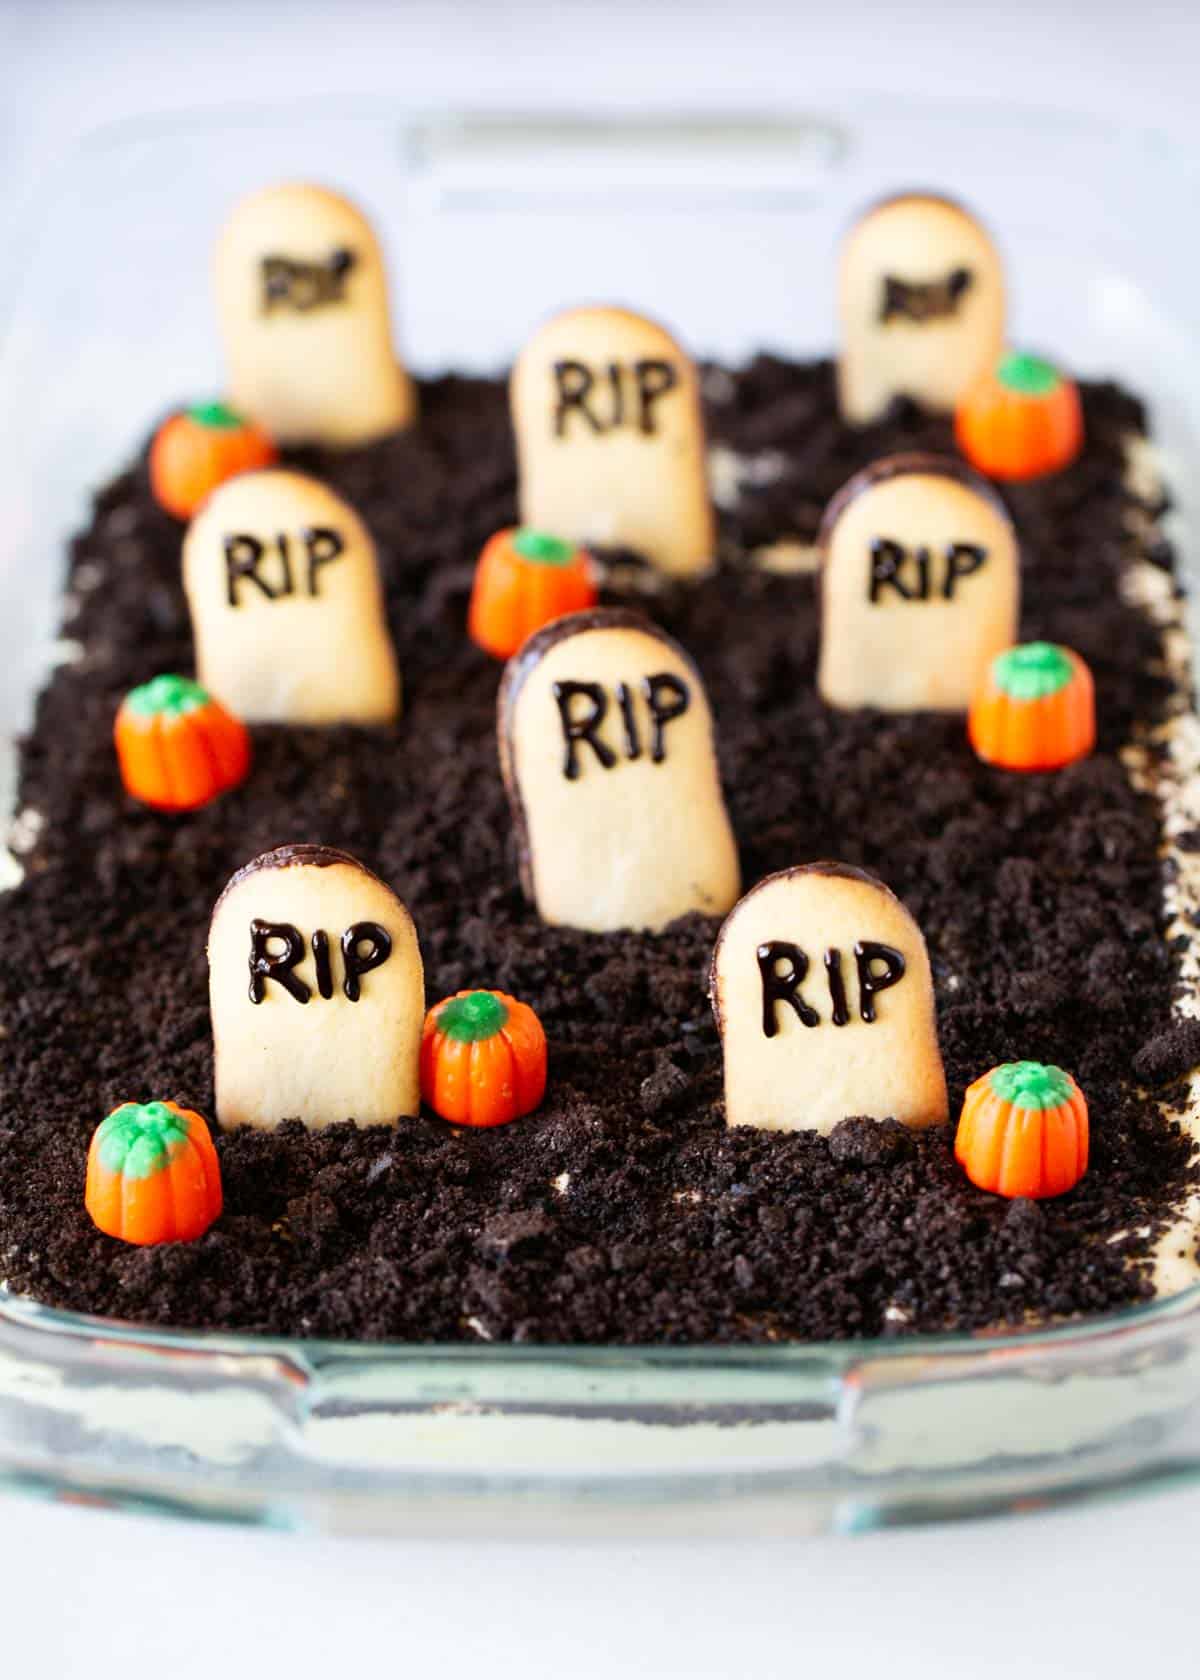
column 108, row 318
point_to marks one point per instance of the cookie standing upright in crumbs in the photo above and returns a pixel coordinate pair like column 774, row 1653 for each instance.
column 823, row 995
column 920, row 586
column 286, row 602
column 921, row 297
column 610, row 438
column 317, row 994
column 303, row 301
column 607, row 749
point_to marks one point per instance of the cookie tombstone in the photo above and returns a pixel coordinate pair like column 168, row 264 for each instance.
column 920, row 586
column 302, row 297
column 606, row 743
column 610, row 439
column 824, row 1000
column 317, row 994
column 286, row 602
column 921, row 298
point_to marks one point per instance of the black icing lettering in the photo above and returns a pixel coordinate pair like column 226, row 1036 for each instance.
column 654, row 379
column 783, row 987
column 323, row 545
column 357, row 962
column 923, row 300
column 288, row 283
column 266, row 964
column 629, row 728
column 243, row 554
column 577, row 729
column 320, row 948
column 961, row 560
column 866, row 952
column 887, row 561
column 573, row 381
column 663, row 711
column 837, row 986
column 617, row 386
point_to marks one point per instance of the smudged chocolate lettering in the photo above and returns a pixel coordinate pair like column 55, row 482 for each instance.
column 867, row 952
column 357, row 962
column 288, row 283
column 923, row 300
column 577, row 729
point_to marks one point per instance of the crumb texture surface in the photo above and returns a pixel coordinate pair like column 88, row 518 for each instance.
column 624, row 1210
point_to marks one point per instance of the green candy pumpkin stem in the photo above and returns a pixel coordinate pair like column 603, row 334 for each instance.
column 170, row 694
column 1033, row 671
column 218, row 415
column 1031, row 1084
column 542, row 547
column 138, row 1139
column 473, row 1017
column 1028, row 376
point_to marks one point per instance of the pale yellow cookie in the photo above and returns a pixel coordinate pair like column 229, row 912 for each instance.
column 303, row 304
column 921, row 298
column 283, row 586
column 824, row 1002
column 610, row 439
column 317, row 994
column 606, row 743
column 920, row 586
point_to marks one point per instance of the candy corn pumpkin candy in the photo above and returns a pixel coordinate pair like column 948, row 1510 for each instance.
column 200, row 447
column 483, row 1059
column 153, row 1175
column 525, row 579
column 178, row 747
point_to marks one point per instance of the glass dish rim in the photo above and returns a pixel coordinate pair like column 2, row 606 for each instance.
column 407, row 119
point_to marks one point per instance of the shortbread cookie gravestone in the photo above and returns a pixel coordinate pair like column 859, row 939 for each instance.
column 302, row 296
column 920, row 586
column 921, row 297
column 317, row 994
column 824, row 1000
column 287, row 606
column 610, row 440
column 606, row 743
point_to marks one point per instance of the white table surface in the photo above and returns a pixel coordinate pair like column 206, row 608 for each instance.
column 83, row 1593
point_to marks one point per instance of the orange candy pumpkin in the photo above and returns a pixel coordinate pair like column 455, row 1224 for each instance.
column 483, row 1059
column 525, row 579
column 1020, row 419
column 200, row 447
column 177, row 746
column 1024, row 1131
column 153, row 1175
column 1035, row 709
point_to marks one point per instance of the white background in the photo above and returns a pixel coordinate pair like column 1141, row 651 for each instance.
column 1098, row 1593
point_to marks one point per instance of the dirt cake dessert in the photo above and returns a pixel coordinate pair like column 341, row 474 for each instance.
column 943, row 1085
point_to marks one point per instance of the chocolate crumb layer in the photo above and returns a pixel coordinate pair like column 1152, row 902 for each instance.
column 624, row 1210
